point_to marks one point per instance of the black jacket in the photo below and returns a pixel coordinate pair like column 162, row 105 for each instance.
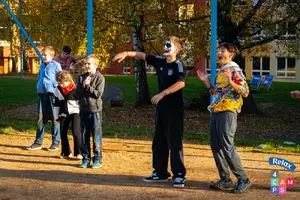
column 90, row 96
column 65, row 105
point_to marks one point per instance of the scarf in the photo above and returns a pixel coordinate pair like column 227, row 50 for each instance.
column 69, row 88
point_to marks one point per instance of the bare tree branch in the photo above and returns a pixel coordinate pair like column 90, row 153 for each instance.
column 249, row 16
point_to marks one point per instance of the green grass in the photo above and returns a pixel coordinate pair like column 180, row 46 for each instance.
column 127, row 83
column 9, row 125
column 15, row 92
column 280, row 92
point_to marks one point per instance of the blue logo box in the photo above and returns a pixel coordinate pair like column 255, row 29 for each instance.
column 283, row 163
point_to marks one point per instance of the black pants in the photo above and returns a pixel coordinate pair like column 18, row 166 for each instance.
column 65, row 147
column 168, row 138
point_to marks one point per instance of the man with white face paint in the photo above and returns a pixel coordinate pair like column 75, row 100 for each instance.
column 169, row 112
column 169, row 48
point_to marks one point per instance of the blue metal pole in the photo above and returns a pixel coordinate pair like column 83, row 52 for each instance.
column 21, row 28
column 213, row 41
column 21, row 42
column 90, row 27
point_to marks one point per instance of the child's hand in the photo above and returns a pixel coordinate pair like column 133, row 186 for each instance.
column 87, row 81
column 120, row 57
column 203, row 76
column 157, row 98
column 295, row 94
column 228, row 73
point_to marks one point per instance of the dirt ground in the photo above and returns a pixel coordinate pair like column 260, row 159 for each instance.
column 43, row 175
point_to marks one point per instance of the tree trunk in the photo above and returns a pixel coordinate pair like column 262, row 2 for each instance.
column 12, row 47
column 25, row 63
column 142, row 89
column 227, row 32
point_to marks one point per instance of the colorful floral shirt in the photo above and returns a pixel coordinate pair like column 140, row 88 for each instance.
column 224, row 96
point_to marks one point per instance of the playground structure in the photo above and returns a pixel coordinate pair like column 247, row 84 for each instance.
column 23, row 31
column 90, row 31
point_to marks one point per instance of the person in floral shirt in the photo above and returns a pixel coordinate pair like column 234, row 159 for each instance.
column 229, row 87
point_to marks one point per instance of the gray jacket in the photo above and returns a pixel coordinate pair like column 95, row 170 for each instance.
column 90, row 96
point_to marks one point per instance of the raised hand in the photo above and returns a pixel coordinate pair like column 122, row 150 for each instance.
column 228, row 73
column 295, row 94
column 120, row 57
column 87, row 81
column 203, row 76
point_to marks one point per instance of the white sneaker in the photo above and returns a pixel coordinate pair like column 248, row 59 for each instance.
column 78, row 157
column 179, row 182
column 66, row 157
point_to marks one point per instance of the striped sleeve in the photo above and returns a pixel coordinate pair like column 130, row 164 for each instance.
column 58, row 98
column 179, row 70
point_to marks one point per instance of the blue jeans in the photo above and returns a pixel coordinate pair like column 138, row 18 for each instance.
column 45, row 113
column 91, row 123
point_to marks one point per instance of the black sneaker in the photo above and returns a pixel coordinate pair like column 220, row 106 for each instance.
column 242, row 186
column 34, row 147
column 179, row 182
column 221, row 184
column 155, row 178
column 53, row 147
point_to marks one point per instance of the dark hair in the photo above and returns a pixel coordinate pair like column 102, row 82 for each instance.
column 231, row 48
column 67, row 49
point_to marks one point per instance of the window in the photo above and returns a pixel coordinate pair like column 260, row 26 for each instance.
column 185, row 12
column 293, row 1
column 207, row 65
column 261, row 66
column 1, row 52
column 257, row 28
column 286, row 67
column 188, row 58
column 149, row 69
column 126, row 67
column 289, row 30
column 240, row 3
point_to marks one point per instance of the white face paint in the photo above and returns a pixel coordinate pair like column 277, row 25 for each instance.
column 169, row 48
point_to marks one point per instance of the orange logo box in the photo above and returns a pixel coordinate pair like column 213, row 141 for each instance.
column 286, row 182
column 282, row 181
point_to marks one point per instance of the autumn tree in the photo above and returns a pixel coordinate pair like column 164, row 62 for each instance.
column 146, row 23
column 252, row 25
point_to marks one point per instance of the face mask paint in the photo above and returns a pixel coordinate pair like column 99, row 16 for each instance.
column 169, row 48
